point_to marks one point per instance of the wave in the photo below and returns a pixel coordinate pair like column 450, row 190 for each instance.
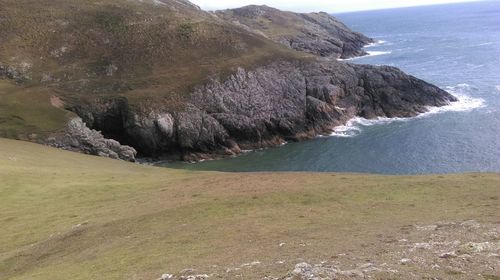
column 465, row 103
column 370, row 53
column 375, row 44
column 497, row 87
column 375, row 53
column 483, row 44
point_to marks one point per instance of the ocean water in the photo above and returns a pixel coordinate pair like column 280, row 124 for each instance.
column 456, row 47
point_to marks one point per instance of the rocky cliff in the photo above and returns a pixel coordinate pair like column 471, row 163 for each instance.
column 283, row 101
column 316, row 33
column 164, row 78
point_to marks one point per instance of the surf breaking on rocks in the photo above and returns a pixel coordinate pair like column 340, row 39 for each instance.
column 465, row 103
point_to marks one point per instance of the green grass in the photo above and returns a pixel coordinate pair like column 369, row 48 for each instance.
column 137, row 222
column 27, row 113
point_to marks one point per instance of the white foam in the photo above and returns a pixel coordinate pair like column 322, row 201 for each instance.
column 465, row 103
column 370, row 53
column 497, row 87
column 375, row 53
column 484, row 44
column 375, row 44
column 261, row 149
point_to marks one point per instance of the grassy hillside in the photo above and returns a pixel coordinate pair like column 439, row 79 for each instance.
column 316, row 33
column 66, row 215
column 151, row 52
column 29, row 112
column 145, row 48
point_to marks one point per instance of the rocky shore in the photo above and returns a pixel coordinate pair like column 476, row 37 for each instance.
column 264, row 108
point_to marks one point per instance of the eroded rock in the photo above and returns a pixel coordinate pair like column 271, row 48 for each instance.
column 265, row 107
column 79, row 137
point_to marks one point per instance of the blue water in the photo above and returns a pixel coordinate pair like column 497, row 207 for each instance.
column 456, row 47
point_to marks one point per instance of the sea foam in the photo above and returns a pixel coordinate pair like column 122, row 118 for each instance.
column 370, row 53
column 374, row 53
column 465, row 103
column 375, row 44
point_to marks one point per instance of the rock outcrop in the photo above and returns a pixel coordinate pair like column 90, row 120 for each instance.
column 82, row 139
column 464, row 249
column 316, row 33
column 11, row 73
column 265, row 107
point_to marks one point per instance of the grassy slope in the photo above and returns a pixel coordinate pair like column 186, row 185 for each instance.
column 26, row 111
column 159, row 50
column 274, row 23
column 153, row 54
column 138, row 222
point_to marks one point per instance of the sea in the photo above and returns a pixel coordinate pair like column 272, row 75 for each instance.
column 454, row 46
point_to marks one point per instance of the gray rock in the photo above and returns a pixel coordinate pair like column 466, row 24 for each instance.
column 166, row 276
column 404, row 261
column 448, row 255
column 80, row 138
column 283, row 101
column 312, row 272
column 9, row 72
column 198, row 131
column 165, row 124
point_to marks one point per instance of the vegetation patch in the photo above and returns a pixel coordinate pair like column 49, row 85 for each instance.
column 185, row 30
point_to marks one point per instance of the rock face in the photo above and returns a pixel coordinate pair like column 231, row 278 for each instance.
column 254, row 109
column 80, row 138
column 316, row 33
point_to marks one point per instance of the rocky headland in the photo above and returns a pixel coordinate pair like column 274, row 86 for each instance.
column 170, row 80
column 265, row 107
column 316, row 33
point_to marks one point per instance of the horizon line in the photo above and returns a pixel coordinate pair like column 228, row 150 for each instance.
column 413, row 6
column 354, row 11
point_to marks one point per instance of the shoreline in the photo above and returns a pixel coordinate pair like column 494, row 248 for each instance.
column 353, row 126
column 369, row 53
column 465, row 103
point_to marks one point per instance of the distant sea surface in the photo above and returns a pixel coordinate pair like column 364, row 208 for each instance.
column 456, row 47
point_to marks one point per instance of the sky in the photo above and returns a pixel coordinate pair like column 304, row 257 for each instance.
column 332, row 6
